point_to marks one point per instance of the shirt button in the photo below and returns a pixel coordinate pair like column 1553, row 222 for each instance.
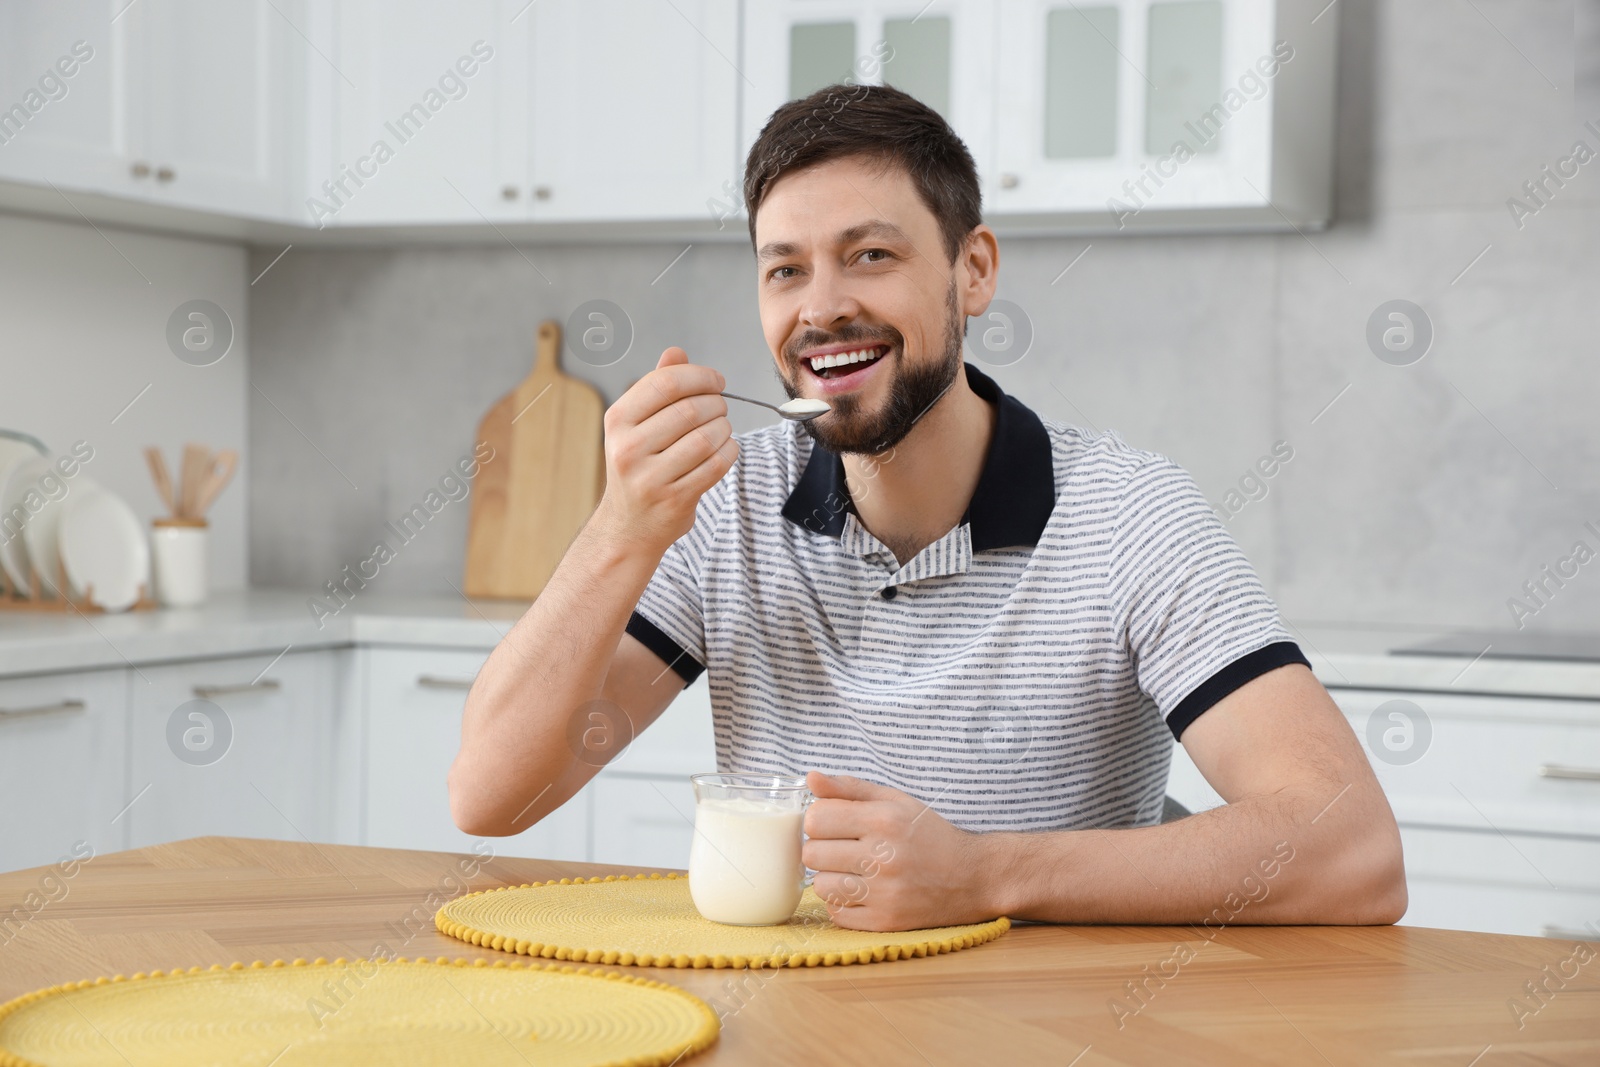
column 888, row 592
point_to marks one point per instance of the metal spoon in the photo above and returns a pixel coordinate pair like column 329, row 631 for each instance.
column 800, row 410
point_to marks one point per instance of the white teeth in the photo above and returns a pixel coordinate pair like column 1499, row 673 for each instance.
column 839, row 359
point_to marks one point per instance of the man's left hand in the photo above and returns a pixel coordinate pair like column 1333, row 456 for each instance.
column 887, row 861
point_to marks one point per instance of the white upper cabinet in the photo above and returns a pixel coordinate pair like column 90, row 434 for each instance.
column 429, row 114
column 634, row 117
column 64, row 107
column 1123, row 114
column 941, row 52
column 169, row 101
column 634, row 108
column 1088, row 115
column 213, row 103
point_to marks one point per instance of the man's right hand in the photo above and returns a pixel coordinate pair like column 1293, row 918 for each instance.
column 667, row 441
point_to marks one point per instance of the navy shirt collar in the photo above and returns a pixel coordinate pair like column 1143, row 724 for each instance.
column 1016, row 489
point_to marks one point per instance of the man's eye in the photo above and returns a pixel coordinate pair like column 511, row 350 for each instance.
column 779, row 273
column 874, row 252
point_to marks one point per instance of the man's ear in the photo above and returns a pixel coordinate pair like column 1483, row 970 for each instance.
column 980, row 264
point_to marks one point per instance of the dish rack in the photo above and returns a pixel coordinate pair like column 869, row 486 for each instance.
column 14, row 598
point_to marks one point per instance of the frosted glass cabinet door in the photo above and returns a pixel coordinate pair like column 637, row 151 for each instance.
column 941, row 52
column 1093, row 97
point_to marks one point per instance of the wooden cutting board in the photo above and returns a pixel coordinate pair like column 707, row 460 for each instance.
column 547, row 474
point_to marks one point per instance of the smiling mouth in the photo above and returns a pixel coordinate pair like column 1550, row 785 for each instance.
column 839, row 364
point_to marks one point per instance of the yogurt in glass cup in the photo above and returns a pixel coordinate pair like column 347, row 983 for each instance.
column 744, row 865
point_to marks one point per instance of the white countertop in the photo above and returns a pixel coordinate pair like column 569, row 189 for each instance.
column 238, row 623
column 266, row 620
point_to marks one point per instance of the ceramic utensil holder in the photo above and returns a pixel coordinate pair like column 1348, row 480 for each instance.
column 178, row 548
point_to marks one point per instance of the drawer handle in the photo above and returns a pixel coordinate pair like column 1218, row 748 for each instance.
column 45, row 709
column 205, row 692
column 1568, row 933
column 1580, row 774
column 433, row 681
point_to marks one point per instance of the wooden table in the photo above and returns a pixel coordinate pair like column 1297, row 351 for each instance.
column 1038, row 995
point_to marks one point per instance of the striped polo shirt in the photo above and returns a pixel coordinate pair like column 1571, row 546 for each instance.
column 1028, row 670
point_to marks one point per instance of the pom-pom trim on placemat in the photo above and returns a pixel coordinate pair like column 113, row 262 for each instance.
column 704, row 1037
column 866, row 954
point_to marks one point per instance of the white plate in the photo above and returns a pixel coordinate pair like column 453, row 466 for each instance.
column 42, row 534
column 19, row 471
column 103, row 548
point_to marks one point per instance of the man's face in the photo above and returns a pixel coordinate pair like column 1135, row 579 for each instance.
column 851, row 263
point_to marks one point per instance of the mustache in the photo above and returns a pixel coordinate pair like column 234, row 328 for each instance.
column 849, row 335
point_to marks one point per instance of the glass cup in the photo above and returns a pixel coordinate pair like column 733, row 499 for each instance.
column 744, row 865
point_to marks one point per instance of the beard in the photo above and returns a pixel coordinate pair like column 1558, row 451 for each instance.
column 913, row 392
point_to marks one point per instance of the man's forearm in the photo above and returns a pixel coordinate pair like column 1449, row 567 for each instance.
column 553, row 661
column 1278, row 858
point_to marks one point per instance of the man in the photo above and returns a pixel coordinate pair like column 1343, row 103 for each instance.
column 975, row 631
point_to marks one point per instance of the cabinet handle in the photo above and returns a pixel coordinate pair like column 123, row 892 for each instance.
column 541, row 192
column 265, row 685
column 510, row 192
column 1581, row 774
column 165, row 174
column 433, row 681
column 1009, row 181
column 140, row 170
column 1568, row 933
column 45, row 709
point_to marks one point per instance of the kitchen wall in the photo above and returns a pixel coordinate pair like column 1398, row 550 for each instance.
column 1422, row 495
column 85, row 357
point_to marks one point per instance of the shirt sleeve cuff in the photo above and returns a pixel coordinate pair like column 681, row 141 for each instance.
column 650, row 636
column 1246, row 668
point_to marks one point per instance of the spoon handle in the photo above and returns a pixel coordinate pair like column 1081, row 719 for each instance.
column 758, row 403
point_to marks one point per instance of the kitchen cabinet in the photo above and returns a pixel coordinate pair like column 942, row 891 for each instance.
column 556, row 116
column 244, row 746
column 1497, row 797
column 942, row 52
column 414, row 699
column 430, row 115
column 64, row 92
column 215, row 92
column 170, row 102
column 634, row 109
column 63, row 766
column 643, row 821
column 1127, row 114
column 1073, row 112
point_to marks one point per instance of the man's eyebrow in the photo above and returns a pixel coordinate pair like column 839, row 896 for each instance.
column 878, row 228
column 776, row 250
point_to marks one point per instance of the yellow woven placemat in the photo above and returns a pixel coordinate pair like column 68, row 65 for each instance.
column 648, row 920
column 358, row 1013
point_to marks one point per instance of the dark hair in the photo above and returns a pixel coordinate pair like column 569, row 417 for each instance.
column 880, row 122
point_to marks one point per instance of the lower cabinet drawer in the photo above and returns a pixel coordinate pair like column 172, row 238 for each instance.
column 642, row 822
column 63, row 768
column 414, row 703
column 1482, row 762
column 1515, row 860
column 1497, row 909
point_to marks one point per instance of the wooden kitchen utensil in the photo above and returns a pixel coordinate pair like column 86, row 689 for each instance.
column 196, row 459
column 541, row 482
column 158, row 473
column 218, row 471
